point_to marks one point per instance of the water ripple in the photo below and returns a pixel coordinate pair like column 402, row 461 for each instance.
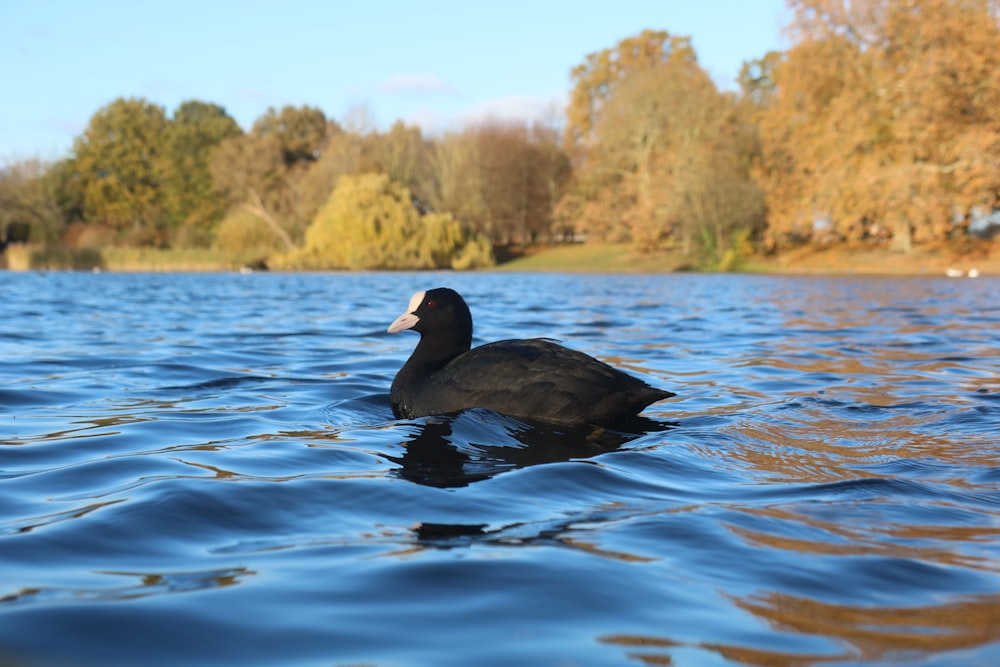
column 174, row 449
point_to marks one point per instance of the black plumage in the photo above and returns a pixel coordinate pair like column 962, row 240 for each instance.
column 534, row 378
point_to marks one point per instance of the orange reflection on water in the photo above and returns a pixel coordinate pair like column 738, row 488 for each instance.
column 876, row 633
column 865, row 634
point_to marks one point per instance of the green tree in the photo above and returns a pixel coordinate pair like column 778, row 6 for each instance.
column 29, row 204
column 191, row 202
column 118, row 160
column 66, row 184
column 300, row 131
column 369, row 222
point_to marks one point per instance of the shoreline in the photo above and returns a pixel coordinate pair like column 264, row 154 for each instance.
column 968, row 259
column 980, row 258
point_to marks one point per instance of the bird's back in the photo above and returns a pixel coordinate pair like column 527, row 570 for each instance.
column 534, row 378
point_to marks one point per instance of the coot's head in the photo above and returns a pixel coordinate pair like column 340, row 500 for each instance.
column 440, row 312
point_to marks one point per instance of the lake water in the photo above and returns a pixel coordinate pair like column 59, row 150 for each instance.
column 204, row 470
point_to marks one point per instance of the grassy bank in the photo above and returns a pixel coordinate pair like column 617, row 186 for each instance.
column 844, row 259
column 152, row 259
column 19, row 257
column 982, row 257
column 592, row 257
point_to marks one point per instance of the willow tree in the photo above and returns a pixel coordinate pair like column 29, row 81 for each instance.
column 885, row 118
column 370, row 222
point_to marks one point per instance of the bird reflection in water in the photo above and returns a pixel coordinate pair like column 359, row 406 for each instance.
column 452, row 451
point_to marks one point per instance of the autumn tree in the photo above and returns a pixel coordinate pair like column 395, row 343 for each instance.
column 118, row 160
column 401, row 153
column 613, row 125
column 501, row 178
column 189, row 198
column 262, row 171
column 405, row 156
column 598, row 78
column 66, row 184
column 885, row 118
column 661, row 155
column 345, row 153
column 251, row 173
column 756, row 81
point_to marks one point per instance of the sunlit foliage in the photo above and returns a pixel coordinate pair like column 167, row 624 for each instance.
column 248, row 238
column 880, row 123
column 118, row 159
column 370, row 222
column 300, row 131
column 29, row 203
column 503, row 179
column 263, row 170
column 884, row 120
column 190, row 201
column 661, row 157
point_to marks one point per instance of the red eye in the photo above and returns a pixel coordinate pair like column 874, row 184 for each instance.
column 431, row 303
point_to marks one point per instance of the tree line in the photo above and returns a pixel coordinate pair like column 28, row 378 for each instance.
column 881, row 122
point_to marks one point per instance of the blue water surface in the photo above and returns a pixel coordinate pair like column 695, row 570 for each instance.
column 204, row 470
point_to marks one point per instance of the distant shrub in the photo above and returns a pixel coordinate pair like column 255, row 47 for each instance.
column 168, row 259
column 23, row 257
column 192, row 236
column 370, row 222
column 246, row 238
column 17, row 257
column 90, row 236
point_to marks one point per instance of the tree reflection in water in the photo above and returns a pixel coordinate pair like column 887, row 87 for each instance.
column 869, row 634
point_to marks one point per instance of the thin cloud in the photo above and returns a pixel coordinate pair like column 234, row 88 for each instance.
column 429, row 120
column 527, row 108
column 515, row 107
column 255, row 96
column 65, row 125
column 410, row 84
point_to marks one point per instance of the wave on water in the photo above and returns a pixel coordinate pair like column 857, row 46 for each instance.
column 206, row 470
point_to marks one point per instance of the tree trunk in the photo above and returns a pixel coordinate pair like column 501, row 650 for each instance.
column 257, row 208
column 902, row 237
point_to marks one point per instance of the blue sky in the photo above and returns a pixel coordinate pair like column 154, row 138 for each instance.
column 436, row 63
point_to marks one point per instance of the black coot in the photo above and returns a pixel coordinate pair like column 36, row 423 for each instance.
column 533, row 378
